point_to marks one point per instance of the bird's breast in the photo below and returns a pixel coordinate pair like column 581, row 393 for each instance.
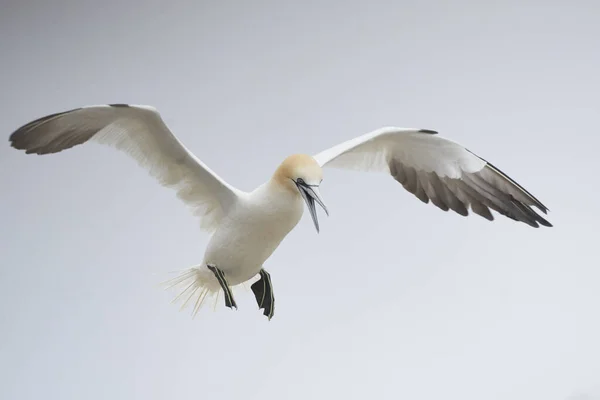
column 249, row 235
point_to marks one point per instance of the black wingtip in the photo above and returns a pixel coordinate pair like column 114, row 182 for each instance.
column 18, row 138
column 544, row 222
column 429, row 131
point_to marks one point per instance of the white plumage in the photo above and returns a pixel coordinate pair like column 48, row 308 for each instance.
column 247, row 227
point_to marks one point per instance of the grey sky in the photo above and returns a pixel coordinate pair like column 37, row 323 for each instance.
column 393, row 299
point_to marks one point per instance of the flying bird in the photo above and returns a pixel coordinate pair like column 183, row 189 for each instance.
column 247, row 227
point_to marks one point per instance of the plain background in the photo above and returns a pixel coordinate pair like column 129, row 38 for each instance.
column 394, row 298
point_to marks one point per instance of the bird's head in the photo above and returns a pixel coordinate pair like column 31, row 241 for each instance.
column 302, row 175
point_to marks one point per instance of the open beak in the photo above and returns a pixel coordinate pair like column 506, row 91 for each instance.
column 311, row 195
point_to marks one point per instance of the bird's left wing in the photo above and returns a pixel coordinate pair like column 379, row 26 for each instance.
column 139, row 132
column 437, row 169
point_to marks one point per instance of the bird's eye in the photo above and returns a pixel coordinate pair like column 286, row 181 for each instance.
column 300, row 180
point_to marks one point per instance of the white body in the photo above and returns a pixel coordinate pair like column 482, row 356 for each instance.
column 250, row 232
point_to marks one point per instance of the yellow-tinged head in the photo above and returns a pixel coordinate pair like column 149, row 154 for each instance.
column 301, row 174
column 298, row 166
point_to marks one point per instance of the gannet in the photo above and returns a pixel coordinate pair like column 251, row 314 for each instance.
column 247, row 227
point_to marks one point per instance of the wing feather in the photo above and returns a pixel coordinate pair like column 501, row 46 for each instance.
column 437, row 169
column 139, row 132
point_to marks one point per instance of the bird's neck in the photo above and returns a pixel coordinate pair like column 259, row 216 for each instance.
column 281, row 187
column 280, row 182
column 277, row 201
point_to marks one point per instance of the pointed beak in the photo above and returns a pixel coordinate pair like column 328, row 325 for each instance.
column 311, row 195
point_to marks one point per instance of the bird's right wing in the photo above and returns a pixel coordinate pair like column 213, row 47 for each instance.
column 140, row 132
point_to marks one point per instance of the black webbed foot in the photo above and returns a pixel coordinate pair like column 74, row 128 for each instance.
column 263, row 291
column 229, row 300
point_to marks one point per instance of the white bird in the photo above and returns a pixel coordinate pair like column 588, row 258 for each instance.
column 247, row 227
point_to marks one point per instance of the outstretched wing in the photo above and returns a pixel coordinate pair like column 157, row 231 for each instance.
column 437, row 169
column 140, row 132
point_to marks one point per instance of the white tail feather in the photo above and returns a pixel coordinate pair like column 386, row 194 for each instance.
column 195, row 283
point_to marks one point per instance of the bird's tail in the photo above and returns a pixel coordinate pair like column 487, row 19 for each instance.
column 194, row 286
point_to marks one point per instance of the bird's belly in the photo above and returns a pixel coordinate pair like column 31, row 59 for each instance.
column 241, row 245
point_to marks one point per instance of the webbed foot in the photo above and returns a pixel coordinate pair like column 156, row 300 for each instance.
column 229, row 300
column 263, row 291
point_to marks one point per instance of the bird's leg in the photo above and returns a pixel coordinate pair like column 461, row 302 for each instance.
column 229, row 301
column 263, row 291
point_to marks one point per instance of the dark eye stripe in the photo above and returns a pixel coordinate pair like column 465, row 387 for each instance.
column 300, row 181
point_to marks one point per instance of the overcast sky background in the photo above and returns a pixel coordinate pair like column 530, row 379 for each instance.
column 394, row 298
